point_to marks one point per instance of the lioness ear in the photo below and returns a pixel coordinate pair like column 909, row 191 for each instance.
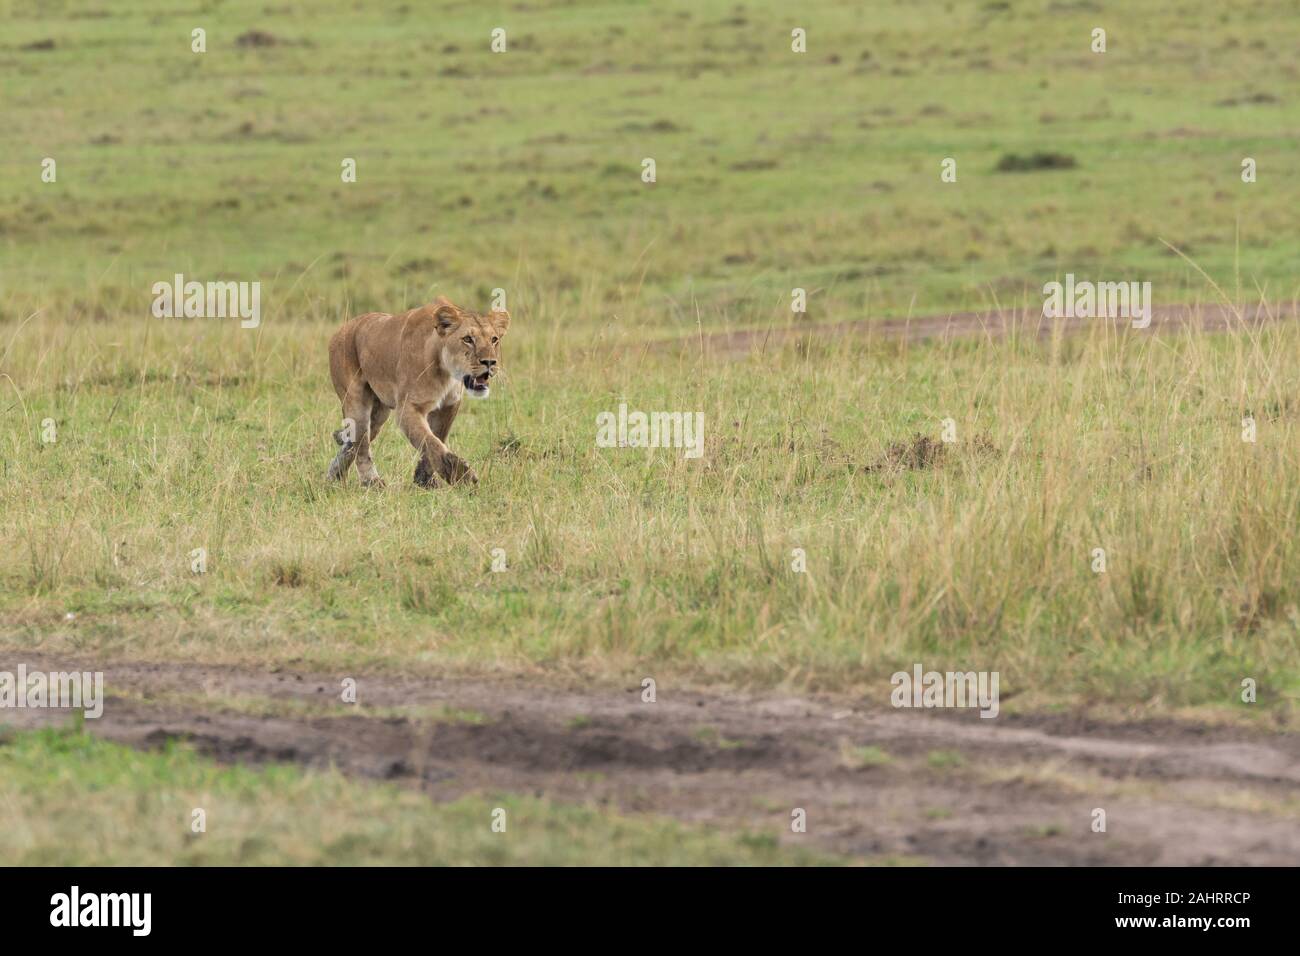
column 446, row 315
column 501, row 319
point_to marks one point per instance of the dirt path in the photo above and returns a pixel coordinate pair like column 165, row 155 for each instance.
column 997, row 324
column 952, row 789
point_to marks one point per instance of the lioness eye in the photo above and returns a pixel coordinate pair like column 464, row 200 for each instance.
column 468, row 340
column 494, row 340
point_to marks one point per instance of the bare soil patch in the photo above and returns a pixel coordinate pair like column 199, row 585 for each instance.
column 875, row 783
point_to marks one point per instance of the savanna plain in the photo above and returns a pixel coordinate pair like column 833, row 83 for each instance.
column 916, row 468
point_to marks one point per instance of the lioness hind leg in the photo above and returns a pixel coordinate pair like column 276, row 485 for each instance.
column 343, row 460
column 354, row 437
column 379, row 413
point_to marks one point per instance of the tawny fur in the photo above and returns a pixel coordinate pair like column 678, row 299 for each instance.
column 413, row 364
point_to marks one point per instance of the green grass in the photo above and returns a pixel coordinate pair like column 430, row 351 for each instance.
column 522, row 170
column 860, row 758
column 630, row 561
column 73, row 800
column 944, row 760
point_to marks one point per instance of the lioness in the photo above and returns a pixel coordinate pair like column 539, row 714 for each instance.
column 420, row 363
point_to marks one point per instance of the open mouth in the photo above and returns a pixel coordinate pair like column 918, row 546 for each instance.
column 477, row 383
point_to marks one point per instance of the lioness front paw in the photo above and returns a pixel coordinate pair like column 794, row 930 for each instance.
column 424, row 474
column 455, row 469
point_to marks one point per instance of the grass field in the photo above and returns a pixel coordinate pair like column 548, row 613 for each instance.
column 129, row 442
column 129, row 808
column 622, row 559
column 522, row 170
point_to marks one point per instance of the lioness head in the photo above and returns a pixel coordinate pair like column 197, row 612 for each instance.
column 470, row 344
